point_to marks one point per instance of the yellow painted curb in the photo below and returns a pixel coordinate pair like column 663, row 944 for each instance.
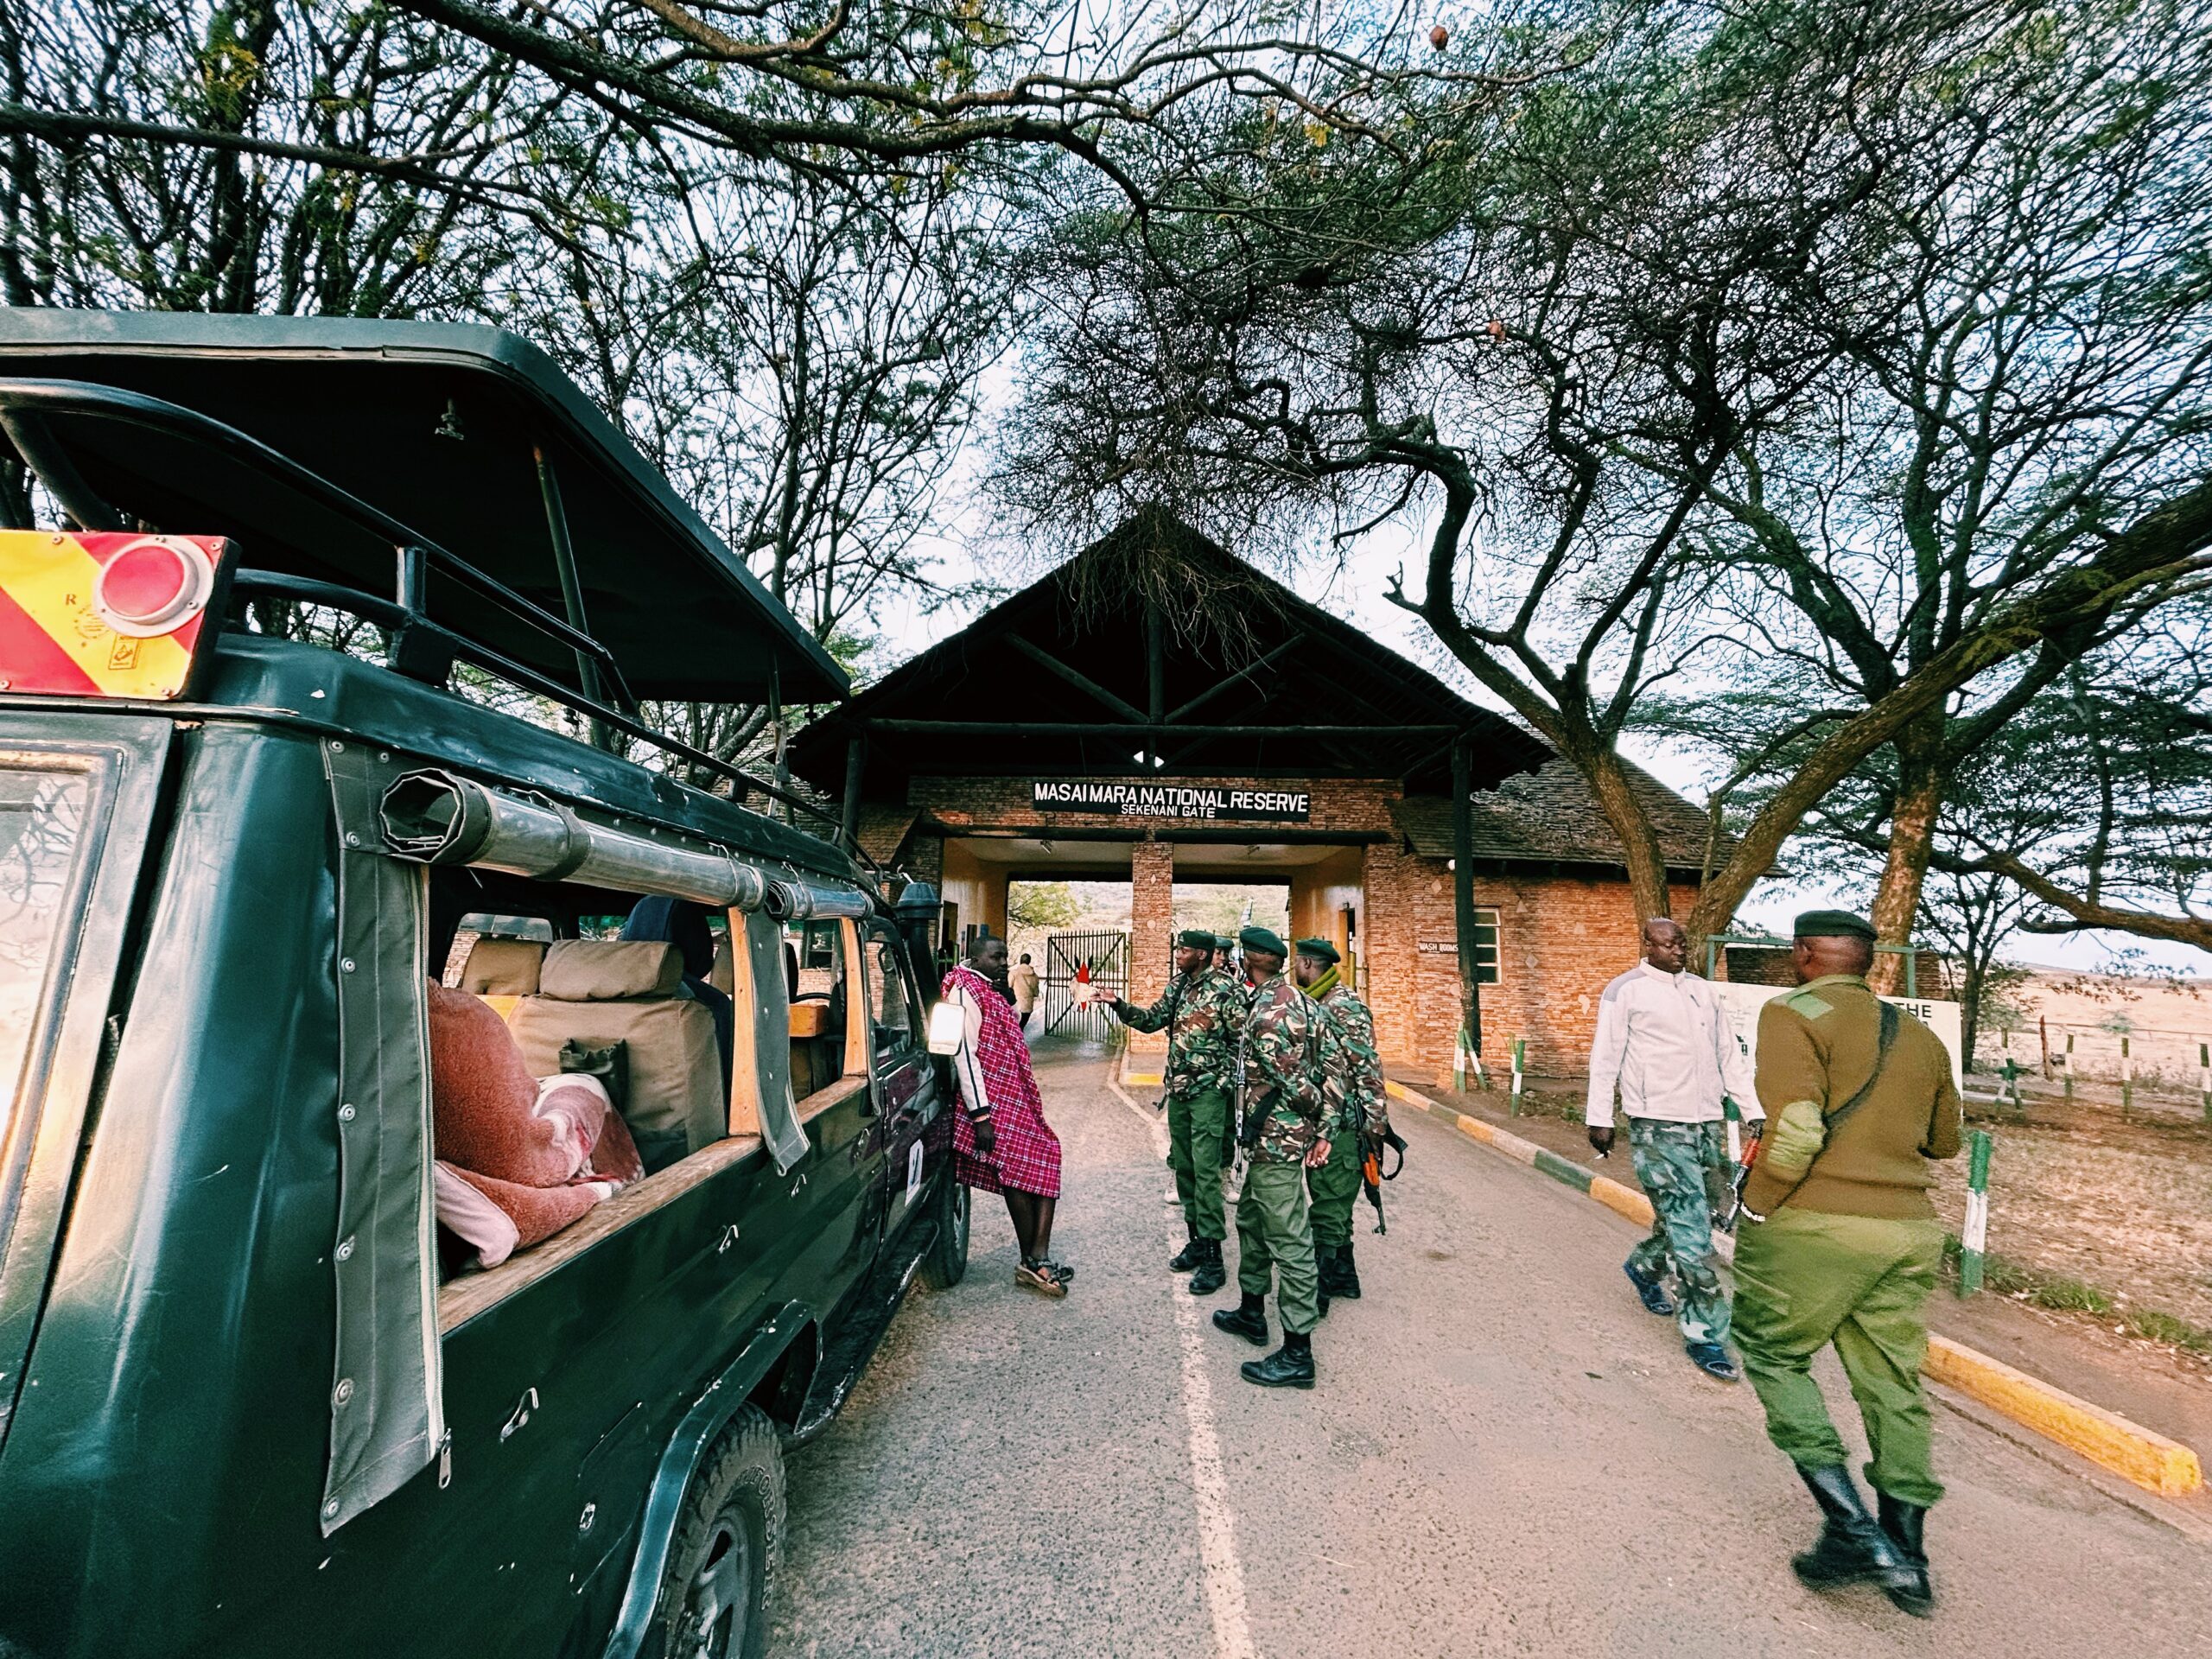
column 2106, row 1438
column 2148, row 1459
column 1622, row 1200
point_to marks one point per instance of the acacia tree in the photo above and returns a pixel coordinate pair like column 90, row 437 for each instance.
column 1568, row 336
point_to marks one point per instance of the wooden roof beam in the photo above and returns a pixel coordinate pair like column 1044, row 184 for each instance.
column 1174, row 716
column 1083, row 683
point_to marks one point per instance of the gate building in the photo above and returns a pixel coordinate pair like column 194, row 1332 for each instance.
column 1157, row 710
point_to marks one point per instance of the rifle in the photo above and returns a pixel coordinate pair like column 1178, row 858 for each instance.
column 1370, row 1168
column 1743, row 1172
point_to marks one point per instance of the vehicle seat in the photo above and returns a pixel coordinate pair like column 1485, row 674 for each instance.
column 599, row 991
column 724, row 974
column 818, row 1049
column 502, row 971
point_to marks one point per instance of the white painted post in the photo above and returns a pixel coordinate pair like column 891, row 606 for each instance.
column 1519, row 1062
column 1973, row 1237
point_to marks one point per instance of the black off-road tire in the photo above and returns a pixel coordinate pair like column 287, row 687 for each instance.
column 729, row 1545
column 946, row 1264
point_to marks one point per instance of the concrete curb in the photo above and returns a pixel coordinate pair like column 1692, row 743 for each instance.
column 2141, row 1455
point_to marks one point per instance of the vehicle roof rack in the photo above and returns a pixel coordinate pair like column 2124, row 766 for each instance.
column 473, row 438
column 419, row 647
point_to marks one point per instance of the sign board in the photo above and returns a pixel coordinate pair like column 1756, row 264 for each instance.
column 1137, row 798
column 1742, row 1003
column 1439, row 947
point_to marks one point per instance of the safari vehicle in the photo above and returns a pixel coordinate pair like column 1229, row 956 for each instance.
column 250, row 1403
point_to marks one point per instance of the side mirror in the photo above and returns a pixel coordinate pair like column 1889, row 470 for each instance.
column 947, row 1027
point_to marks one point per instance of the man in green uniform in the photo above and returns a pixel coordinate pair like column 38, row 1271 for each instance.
column 1202, row 1011
column 1282, row 1135
column 1842, row 1245
column 1351, row 1086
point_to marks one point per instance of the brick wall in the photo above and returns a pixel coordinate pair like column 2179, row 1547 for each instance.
column 1152, row 928
column 1560, row 939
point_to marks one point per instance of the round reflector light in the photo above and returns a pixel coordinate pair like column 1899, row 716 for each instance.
column 152, row 586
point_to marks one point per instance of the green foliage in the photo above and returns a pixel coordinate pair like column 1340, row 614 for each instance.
column 1040, row 907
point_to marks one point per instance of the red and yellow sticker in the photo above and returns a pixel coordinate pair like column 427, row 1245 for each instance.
column 103, row 613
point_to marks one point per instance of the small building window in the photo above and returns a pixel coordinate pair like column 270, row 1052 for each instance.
column 1485, row 945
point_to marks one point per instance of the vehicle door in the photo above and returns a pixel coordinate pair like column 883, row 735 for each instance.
column 903, row 1081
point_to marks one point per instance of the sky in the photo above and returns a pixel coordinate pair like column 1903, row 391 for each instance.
column 1357, row 592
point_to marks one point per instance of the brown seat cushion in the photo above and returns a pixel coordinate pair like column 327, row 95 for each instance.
column 502, row 967
column 598, row 992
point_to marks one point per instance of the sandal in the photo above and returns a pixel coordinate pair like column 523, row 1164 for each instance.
column 1066, row 1273
column 1040, row 1276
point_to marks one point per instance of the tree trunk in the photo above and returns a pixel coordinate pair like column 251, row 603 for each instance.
column 1647, row 863
column 1922, row 780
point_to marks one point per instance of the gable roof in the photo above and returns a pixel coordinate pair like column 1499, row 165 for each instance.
column 1236, row 650
column 1551, row 816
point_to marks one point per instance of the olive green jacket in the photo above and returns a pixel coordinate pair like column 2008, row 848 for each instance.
column 1817, row 1048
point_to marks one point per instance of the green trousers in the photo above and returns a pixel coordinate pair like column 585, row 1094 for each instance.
column 1334, row 1188
column 1804, row 1280
column 1273, row 1238
column 1682, row 1168
column 1197, row 1136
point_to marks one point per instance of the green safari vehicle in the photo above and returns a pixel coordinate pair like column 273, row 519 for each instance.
column 318, row 1332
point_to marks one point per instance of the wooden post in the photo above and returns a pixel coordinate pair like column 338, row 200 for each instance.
column 856, row 769
column 2126, row 1078
column 2068, row 1066
column 1463, row 891
column 2204, row 1079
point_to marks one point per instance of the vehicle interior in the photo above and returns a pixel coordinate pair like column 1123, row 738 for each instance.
column 552, row 980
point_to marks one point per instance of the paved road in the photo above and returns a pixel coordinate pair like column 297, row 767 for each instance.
column 1505, row 1456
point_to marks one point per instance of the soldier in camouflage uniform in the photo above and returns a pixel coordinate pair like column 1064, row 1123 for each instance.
column 1282, row 1135
column 1351, row 1086
column 1203, row 1012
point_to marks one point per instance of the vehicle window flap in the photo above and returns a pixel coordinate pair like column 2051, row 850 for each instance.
column 387, row 1419
column 780, row 1131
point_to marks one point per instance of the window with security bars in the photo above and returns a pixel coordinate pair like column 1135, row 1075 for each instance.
column 1485, row 945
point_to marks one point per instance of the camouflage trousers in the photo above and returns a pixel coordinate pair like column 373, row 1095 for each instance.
column 1197, row 1137
column 1274, row 1242
column 1683, row 1168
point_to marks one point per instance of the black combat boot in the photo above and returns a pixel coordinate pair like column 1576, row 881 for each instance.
column 1852, row 1548
column 1211, row 1275
column 1189, row 1255
column 1340, row 1277
column 1321, row 1280
column 1290, row 1366
column 1903, row 1521
column 1249, row 1321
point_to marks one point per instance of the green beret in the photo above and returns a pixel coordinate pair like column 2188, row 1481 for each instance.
column 1192, row 939
column 1261, row 938
column 1832, row 924
column 1320, row 949
column 1222, row 942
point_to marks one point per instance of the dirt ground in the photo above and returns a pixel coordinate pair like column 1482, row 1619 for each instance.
column 2121, row 1203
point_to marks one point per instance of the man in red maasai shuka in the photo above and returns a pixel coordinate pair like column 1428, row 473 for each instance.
column 1001, row 1142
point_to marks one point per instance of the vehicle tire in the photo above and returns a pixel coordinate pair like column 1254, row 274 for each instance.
column 728, row 1544
column 946, row 1264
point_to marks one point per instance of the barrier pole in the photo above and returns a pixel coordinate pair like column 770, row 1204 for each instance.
column 1973, row 1237
column 1519, row 1062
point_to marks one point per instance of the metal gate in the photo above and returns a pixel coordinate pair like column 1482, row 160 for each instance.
column 1108, row 956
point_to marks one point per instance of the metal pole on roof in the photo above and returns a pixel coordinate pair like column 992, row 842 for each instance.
column 572, row 588
column 1462, row 888
column 856, row 771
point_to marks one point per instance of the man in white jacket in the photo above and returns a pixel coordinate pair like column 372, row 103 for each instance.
column 1664, row 1043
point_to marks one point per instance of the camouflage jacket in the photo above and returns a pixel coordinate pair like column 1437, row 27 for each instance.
column 1204, row 1014
column 1280, row 1057
column 1352, row 1070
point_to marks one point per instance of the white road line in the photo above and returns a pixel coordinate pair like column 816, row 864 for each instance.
column 1223, row 1571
